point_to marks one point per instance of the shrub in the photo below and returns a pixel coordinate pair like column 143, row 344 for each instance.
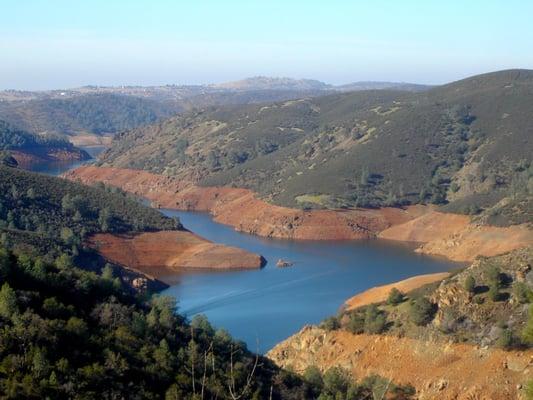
column 356, row 323
column 375, row 320
column 421, row 311
column 395, row 297
column 314, row 377
column 336, row 380
column 506, row 339
column 470, row 284
column 494, row 276
column 522, row 293
column 330, row 324
column 494, row 293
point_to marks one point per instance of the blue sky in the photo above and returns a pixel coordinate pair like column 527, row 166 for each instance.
column 58, row 43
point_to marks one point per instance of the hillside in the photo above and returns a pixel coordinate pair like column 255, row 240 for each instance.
column 466, row 144
column 96, row 224
column 27, row 147
column 466, row 336
column 92, row 113
column 35, row 209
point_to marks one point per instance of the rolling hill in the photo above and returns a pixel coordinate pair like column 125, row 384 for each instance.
column 92, row 113
column 28, row 147
column 466, row 145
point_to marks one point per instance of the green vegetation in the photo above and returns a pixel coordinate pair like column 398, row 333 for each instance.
column 68, row 333
column 448, row 145
column 54, row 215
column 337, row 384
column 94, row 113
column 450, row 311
column 395, row 297
column 421, row 311
column 16, row 139
column 470, row 284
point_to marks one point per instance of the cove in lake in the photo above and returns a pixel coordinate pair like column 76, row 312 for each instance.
column 56, row 168
column 264, row 307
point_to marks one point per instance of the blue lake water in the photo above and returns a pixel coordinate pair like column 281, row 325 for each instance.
column 268, row 305
column 58, row 167
column 263, row 307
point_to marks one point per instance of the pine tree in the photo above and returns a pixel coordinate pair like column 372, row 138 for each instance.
column 8, row 301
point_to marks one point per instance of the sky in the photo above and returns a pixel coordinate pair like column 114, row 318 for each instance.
column 46, row 44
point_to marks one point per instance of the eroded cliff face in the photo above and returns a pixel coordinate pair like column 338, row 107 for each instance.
column 449, row 235
column 437, row 370
column 162, row 254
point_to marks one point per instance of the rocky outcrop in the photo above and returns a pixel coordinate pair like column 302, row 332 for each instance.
column 436, row 370
column 162, row 254
column 450, row 235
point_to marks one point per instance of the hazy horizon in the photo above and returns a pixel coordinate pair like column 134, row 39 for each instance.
column 61, row 44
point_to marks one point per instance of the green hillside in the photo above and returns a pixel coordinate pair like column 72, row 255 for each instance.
column 467, row 144
column 52, row 215
column 15, row 139
column 93, row 113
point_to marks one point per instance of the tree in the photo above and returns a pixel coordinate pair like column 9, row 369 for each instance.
column 330, row 324
column 64, row 261
column 104, row 219
column 395, row 297
column 107, row 272
column 421, row 311
column 8, row 301
column 470, row 284
column 356, row 323
column 30, row 194
column 375, row 320
column 336, row 380
column 314, row 377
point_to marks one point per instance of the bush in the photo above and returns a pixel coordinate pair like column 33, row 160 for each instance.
column 313, row 376
column 506, row 340
column 470, row 284
column 330, row 324
column 494, row 293
column 421, row 311
column 375, row 320
column 356, row 323
column 494, row 276
column 395, row 297
column 522, row 293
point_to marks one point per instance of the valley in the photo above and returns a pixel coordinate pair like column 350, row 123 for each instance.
column 236, row 189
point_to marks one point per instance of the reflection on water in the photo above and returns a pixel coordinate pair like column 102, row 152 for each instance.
column 268, row 305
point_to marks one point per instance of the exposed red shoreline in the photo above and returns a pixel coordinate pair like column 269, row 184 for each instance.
column 449, row 235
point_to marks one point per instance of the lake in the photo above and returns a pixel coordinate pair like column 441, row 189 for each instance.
column 58, row 167
column 263, row 307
